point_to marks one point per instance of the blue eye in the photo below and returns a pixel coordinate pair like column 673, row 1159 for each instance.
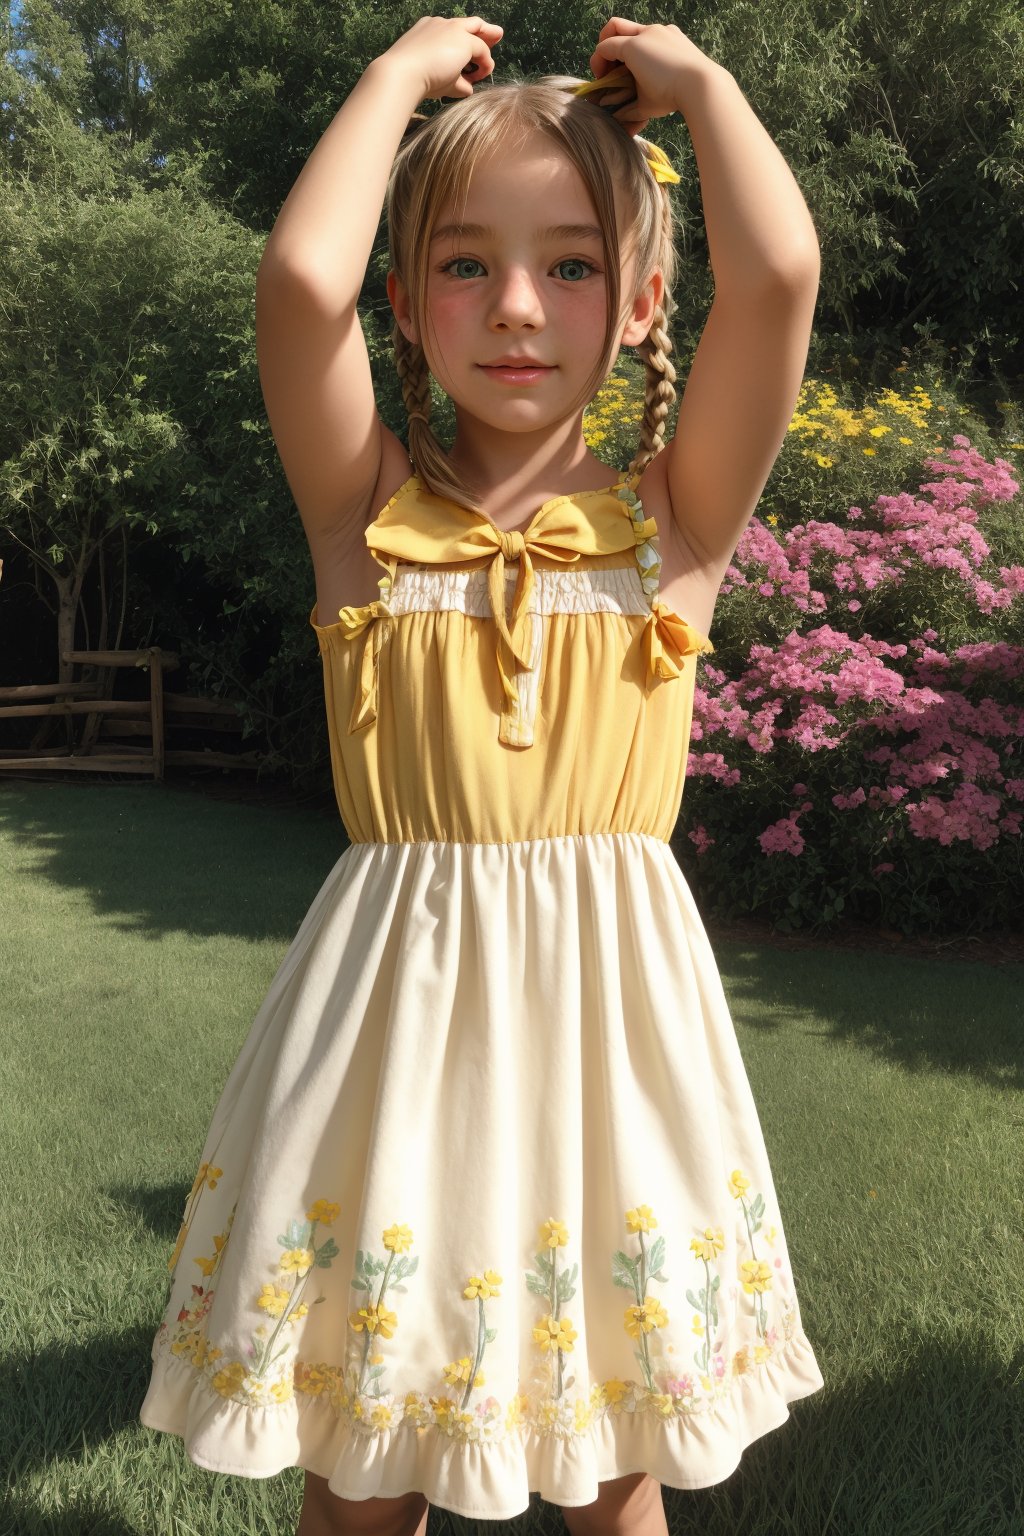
column 570, row 261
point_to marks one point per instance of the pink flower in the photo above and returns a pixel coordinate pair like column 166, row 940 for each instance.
column 883, row 869
column 782, row 837
column 699, row 837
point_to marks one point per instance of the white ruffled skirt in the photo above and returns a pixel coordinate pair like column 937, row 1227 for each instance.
column 485, row 1206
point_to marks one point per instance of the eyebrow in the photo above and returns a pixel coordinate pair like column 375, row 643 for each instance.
column 484, row 232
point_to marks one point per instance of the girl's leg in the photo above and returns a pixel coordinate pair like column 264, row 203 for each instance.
column 625, row 1506
column 324, row 1514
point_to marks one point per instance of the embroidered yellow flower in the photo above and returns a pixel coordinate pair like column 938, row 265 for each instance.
column 456, row 1374
column 273, row 1299
column 761, row 1353
column 229, row 1381
column 741, row 1362
column 711, row 1243
column 738, row 1183
column 208, row 1265
column 323, row 1211
column 650, row 1314
column 756, row 1275
column 444, row 1408
column 281, row 1391
column 488, row 1286
column 698, row 1323
column 640, row 1220
column 299, row 1311
column 516, row 1409
column 662, row 1402
column 615, row 1390
column 555, row 1333
column 380, row 1418
column 398, row 1239
column 298, row 1259
column 375, row 1318
column 583, row 1414
column 208, row 1175
column 554, row 1233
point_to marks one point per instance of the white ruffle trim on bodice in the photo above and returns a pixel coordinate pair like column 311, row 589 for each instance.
column 425, row 589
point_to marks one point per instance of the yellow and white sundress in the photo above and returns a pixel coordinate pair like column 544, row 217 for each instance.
column 484, row 1207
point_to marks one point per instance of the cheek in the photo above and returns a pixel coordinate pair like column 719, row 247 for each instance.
column 449, row 311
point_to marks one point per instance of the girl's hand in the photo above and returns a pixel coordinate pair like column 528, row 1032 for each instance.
column 446, row 55
column 661, row 60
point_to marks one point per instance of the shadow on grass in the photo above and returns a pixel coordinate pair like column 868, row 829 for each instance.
column 924, row 1444
column 158, row 859
column 163, row 859
column 921, row 1014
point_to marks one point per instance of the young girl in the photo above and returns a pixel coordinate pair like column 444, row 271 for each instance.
column 485, row 1208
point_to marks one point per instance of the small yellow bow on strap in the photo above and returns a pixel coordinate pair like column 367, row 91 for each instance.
column 667, row 638
column 621, row 79
column 353, row 622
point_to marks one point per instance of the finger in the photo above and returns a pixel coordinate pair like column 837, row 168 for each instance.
column 603, row 62
column 610, row 54
column 619, row 25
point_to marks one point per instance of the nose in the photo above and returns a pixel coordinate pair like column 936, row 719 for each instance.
column 516, row 300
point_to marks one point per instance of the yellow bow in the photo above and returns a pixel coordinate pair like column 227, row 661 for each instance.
column 353, row 622
column 421, row 528
column 667, row 639
column 621, row 79
column 433, row 530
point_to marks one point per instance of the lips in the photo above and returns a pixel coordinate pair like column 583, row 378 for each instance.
column 516, row 362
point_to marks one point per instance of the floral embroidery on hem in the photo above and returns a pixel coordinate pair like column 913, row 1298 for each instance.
column 357, row 1391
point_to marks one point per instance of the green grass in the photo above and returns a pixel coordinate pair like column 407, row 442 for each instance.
column 140, row 926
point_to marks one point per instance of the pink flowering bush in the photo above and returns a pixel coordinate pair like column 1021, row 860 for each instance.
column 833, row 771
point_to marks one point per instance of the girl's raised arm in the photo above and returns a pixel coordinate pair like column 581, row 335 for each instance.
column 314, row 367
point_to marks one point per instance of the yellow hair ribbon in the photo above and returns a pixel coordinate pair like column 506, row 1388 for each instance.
column 621, row 79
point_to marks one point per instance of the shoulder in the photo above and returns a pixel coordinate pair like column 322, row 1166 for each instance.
column 395, row 470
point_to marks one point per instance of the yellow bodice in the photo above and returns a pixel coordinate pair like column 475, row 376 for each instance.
column 510, row 685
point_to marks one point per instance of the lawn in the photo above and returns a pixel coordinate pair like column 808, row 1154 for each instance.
column 140, row 926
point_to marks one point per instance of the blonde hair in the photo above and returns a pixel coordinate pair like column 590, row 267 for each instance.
column 434, row 165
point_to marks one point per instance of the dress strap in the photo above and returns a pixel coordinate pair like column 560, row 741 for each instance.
column 387, row 581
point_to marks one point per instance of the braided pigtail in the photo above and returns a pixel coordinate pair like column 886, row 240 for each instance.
column 659, row 389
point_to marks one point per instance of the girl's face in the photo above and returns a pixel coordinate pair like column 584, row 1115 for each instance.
column 506, row 284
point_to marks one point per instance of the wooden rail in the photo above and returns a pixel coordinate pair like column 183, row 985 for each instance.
column 122, row 717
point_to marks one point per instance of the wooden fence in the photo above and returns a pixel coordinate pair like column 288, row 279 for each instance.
column 107, row 718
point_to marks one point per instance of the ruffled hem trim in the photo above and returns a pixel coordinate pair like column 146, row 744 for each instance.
column 479, row 1480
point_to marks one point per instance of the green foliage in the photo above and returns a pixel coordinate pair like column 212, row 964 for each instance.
column 145, row 158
